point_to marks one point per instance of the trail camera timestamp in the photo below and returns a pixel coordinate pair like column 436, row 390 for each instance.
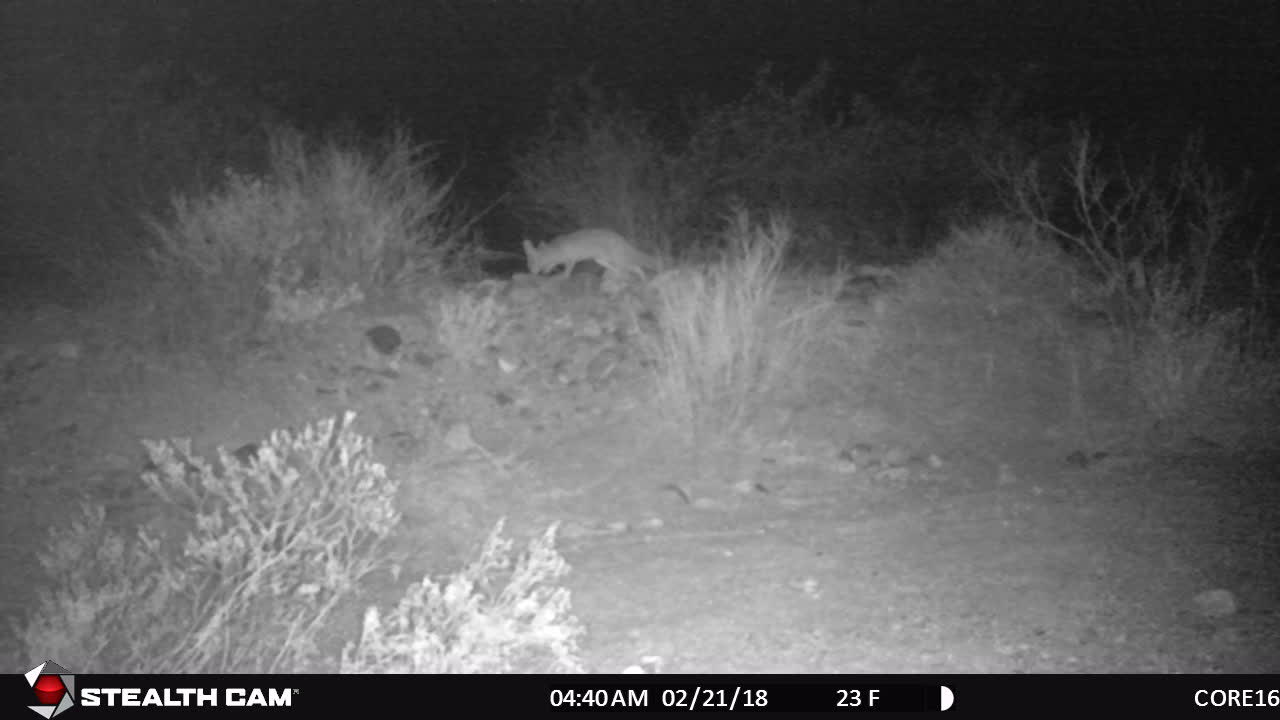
column 768, row 696
column 693, row 697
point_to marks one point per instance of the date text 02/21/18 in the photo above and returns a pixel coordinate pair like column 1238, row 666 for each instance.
column 677, row 698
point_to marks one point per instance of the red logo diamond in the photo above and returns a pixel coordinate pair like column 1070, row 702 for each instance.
column 49, row 689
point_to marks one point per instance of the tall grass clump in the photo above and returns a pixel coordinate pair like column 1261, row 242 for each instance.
column 240, row 571
column 323, row 227
column 734, row 330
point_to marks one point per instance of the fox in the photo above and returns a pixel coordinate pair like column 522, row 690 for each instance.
column 606, row 247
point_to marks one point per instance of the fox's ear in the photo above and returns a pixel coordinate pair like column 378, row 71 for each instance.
column 529, row 249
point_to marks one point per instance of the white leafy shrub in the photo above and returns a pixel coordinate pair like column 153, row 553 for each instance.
column 497, row 615
column 241, row 569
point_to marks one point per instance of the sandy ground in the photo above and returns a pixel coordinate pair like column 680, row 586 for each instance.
column 832, row 537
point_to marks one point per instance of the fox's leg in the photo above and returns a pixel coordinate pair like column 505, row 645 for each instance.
column 532, row 259
column 613, row 281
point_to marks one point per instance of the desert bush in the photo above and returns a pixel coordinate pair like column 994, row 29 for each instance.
column 597, row 162
column 469, row 324
column 771, row 149
column 241, row 569
column 734, row 330
column 320, row 229
column 855, row 175
column 1154, row 240
column 1178, row 354
column 499, row 614
column 992, row 319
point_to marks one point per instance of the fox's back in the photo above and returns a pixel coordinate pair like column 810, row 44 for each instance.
column 590, row 238
column 602, row 241
column 604, row 246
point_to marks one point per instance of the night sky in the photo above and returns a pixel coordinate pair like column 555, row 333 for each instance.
column 1194, row 59
column 483, row 68
column 475, row 75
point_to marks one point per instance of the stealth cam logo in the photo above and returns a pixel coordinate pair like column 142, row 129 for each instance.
column 55, row 688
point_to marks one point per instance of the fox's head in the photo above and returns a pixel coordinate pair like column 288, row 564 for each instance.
column 532, row 257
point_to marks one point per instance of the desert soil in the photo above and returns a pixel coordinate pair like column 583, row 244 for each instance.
column 840, row 535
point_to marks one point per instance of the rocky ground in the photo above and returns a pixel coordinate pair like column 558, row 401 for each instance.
column 839, row 535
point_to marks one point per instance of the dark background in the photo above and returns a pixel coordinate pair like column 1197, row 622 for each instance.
column 475, row 75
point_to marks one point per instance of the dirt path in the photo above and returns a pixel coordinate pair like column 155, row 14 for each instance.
column 1086, row 571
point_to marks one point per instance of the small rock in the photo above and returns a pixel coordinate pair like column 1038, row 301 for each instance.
column 67, row 350
column 893, row 474
column 859, row 453
column 706, row 504
column 458, row 438
column 846, row 467
column 402, row 442
column 573, row 530
column 1215, row 603
column 1005, row 475
column 384, row 338
column 1077, row 459
column 809, row 586
column 895, row 457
